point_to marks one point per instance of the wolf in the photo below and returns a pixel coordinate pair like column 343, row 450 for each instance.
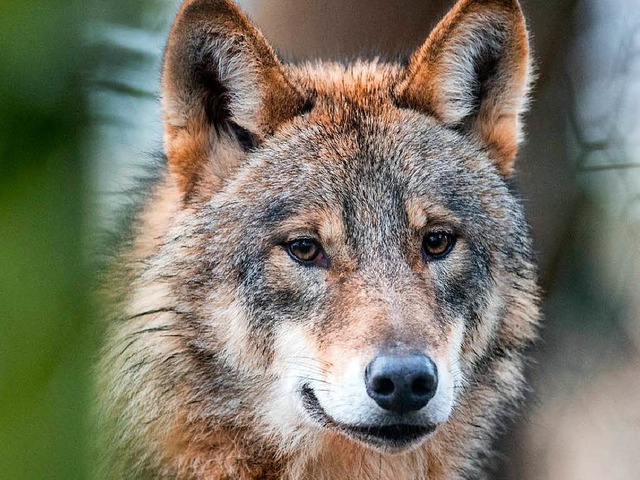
column 333, row 277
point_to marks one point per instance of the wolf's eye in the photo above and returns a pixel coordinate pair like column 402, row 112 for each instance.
column 307, row 251
column 437, row 245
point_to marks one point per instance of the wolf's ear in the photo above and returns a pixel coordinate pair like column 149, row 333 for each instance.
column 473, row 74
column 223, row 91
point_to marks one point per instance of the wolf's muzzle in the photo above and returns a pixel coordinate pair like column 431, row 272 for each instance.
column 401, row 383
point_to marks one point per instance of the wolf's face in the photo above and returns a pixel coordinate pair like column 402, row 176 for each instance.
column 348, row 248
column 365, row 252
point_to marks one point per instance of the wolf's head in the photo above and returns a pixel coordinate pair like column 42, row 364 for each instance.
column 347, row 254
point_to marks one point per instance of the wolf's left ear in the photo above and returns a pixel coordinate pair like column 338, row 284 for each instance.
column 223, row 92
column 473, row 74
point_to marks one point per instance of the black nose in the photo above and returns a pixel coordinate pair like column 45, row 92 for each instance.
column 401, row 384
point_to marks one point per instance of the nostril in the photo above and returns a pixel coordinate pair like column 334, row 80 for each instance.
column 382, row 385
column 422, row 385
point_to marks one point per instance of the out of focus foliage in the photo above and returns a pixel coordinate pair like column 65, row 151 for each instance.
column 43, row 316
column 47, row 330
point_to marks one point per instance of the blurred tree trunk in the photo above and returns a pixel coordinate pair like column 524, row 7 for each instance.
column 336, row 29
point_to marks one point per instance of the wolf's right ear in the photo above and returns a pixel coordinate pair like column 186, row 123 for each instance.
column 223, row 92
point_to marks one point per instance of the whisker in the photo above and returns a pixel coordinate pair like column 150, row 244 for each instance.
column 157, row 310
column 162, row 328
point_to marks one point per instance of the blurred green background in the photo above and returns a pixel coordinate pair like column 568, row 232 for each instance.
column 79, row 122
column 43, row 199
column 48, row 230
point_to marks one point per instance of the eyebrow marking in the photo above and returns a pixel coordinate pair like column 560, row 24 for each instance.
column 421, row 213
column 324, row 223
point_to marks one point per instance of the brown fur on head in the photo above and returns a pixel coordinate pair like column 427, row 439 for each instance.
column 232, row 357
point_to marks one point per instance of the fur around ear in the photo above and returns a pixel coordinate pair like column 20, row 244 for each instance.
column 473, row 74
column 223, row 91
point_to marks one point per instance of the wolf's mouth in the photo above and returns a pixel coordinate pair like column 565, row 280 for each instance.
column 395, row 436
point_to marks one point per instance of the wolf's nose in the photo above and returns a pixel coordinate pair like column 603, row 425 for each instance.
column 401, row 384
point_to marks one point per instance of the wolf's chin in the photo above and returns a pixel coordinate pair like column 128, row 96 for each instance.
column 394, row 438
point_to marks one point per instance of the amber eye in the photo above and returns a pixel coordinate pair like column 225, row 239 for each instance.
column 437, row 245
column 307, row 251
